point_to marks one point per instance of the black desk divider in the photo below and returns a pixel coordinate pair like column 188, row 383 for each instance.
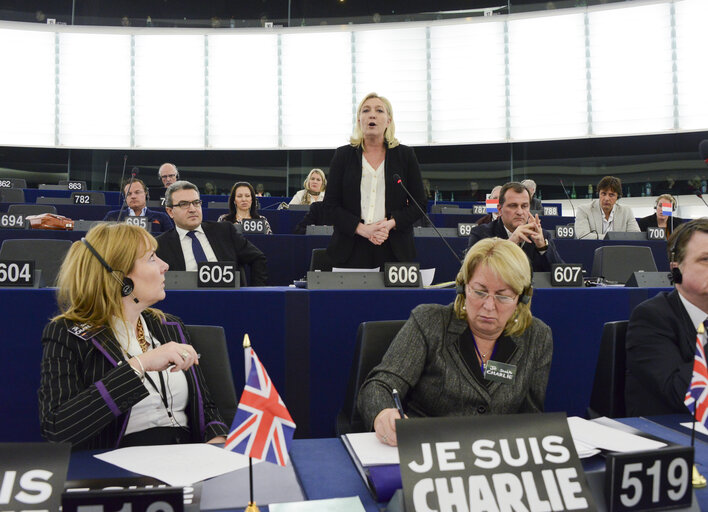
column 85, row 225
column 319, row 230
column 625, row 235
column 430, row 232
column 345, row 280
column 649, row 280
column 54, row 200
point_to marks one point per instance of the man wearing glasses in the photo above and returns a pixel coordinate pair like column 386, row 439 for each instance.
column 168, row 174
column 193, row 240
column 516, row 223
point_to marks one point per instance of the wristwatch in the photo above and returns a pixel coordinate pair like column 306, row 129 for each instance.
column 544, row 248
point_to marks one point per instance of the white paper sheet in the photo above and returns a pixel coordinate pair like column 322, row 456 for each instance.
column 427, row 275
column 607, row 438
column 351, row 504
column 177, row 464
column 699, row 427
column 371, row 451
column 338, row 269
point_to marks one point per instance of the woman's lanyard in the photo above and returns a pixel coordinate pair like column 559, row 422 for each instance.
column 476, row 348
column 163, row 395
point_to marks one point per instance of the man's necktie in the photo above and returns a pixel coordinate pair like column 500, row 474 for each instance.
column 197, row 248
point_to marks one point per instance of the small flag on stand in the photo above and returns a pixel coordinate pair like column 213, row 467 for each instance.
column 492, row 205
column 696, row 398
column 666, row 209
column 262, row 427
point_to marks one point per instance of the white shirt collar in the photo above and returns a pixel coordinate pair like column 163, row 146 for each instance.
column 181, row 232
column 696, row 314
column 131, row 212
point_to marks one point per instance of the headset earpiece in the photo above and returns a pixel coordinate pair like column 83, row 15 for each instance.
column 126, row 284
column 460, row 289
column 525, row 296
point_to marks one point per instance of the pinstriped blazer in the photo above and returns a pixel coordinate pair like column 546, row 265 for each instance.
column 87, row 389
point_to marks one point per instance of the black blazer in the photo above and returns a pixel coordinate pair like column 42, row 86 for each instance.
column 342, row 202
column 539, row 262
column 650, row 222
column 159, row 221
column 660, row 345
column 87, row 389
column 316, row 216
column 228, row 245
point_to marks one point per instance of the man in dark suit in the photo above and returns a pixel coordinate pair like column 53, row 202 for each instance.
column 536, row 204
column 136, row 196
column 662, row 331
column 515, row 223
column 192, row 240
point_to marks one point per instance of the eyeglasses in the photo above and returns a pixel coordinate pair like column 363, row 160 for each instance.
column 197, row 203
column 502, row 300
column 163, row 176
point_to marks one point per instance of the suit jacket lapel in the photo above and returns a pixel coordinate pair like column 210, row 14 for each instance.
column 175, row 247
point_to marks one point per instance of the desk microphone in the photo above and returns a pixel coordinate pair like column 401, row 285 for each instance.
column 277, row 206
column 700, row 196
column 398, row 180
column 568, row 196
column 588, row 233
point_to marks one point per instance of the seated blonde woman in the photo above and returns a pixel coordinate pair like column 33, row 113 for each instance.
column 116, row 372
column 437, row 361
column 315, row 185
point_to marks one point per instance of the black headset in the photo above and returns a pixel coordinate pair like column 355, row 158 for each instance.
column 683, row 234
column 126, row 283
column 673, row 202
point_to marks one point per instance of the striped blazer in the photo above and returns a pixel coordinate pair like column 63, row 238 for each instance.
column 87, row 389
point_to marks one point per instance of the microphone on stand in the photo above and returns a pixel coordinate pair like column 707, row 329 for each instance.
column 133, row 173
column 700, row 196
column 568, row 196
column 398, row 180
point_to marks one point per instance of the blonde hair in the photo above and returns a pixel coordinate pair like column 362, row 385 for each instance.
column 306, row 195
column 508, row 261
column 357, row 138
column 87, row 292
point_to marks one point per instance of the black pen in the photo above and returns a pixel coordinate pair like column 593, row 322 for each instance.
column 397, row 401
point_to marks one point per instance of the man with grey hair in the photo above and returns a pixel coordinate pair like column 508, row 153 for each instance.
column 536, row 205
column 494, row 194
column 168, row 174
column 193, row 240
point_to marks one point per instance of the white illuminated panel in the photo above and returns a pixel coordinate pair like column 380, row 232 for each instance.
column 547, row 82
column 27, row 88
column 169, row 91
column 393, row 63
column 692, row 69
column 243, row 91
column 94, row 90
column 631, row 69
column 467, row 83
column 316, row 90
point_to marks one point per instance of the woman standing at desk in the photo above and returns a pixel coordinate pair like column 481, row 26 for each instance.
column 114, row 371
column 372, row 214
column 244, row 205
column 442, row 361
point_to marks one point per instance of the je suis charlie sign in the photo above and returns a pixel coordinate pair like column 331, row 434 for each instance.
column 520, row 462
